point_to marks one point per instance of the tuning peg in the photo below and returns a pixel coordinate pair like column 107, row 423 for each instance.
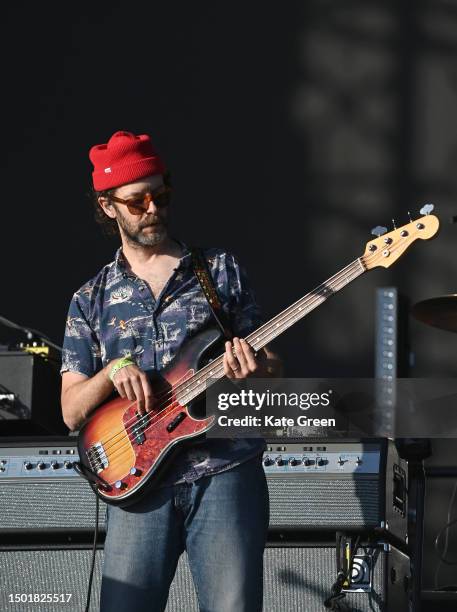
column 426, row 209
column 379, row 230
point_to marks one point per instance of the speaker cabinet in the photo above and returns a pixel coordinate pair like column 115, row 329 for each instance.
column 297, row 578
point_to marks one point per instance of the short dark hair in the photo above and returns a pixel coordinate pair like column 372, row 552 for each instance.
column 109, row 226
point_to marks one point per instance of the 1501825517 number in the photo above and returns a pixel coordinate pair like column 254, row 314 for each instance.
column 39, row 597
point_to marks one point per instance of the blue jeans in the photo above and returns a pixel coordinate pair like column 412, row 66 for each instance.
column 221, row 521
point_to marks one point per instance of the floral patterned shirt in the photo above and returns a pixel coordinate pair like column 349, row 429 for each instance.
column 115, row 314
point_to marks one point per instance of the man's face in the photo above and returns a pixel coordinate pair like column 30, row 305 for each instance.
column 148, row 228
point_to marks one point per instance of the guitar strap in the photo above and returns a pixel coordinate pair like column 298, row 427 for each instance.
column 201, row 269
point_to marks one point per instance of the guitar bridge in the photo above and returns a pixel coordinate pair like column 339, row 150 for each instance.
column 97, row 457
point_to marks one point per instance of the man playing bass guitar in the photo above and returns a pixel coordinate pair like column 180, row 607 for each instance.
column 129, row 321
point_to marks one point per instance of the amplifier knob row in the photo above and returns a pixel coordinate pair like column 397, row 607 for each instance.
column 318, row 461
column 54, row 465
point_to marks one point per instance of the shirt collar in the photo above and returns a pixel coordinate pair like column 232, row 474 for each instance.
column 184, row 262
column 119, row 261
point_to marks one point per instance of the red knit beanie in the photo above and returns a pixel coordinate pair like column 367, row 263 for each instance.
column 124, row 159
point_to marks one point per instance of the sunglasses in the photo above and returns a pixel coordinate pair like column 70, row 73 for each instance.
column 139, row 205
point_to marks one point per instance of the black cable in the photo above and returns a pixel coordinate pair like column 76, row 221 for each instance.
column 94, row 550
column 442, row 556
column 440, row 533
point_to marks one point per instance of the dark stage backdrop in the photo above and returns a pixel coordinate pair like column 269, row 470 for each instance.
column 291, row 130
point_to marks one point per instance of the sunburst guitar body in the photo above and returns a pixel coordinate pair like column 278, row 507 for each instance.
column 126, row 450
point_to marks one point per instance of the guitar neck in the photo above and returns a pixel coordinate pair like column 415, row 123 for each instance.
column 285, row 319
column 267, row 332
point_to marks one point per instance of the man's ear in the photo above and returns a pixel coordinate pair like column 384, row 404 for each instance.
column 108, row 208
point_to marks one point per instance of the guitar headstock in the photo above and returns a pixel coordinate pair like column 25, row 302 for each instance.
column 387, row 248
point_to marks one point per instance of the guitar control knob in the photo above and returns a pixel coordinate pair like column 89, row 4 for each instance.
column 27, row 465
column 322, row 462
column 341, row 461
column 307, row 462
column 293, row 461
column 41, row 465
column 68, row 465
column 54, row 465
column 358, row 461
column 267, row 461
column 279, row 460
column 134, row 471
column 119, row 484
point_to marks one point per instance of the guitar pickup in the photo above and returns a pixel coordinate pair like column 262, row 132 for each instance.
column 176, row 421
column 136, row 431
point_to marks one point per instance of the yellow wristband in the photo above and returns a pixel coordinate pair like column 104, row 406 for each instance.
column 122, row 363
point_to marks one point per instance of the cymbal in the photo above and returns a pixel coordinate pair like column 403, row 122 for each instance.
column 439, row 312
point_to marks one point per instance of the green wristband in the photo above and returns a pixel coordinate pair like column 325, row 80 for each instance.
column 122, row 363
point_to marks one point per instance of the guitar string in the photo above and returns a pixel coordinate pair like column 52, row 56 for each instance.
column 281, row 316
column 153, row 420
column 310, row 298
column 124, row 447
column 289, row 317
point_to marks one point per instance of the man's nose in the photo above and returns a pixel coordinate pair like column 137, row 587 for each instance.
column 152, row 208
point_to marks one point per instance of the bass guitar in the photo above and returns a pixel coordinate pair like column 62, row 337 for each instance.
column 122, row 452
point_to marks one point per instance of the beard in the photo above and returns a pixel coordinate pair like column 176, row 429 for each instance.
column 135, row 235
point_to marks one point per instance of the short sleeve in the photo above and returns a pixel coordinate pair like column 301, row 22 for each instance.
column 245, row 314
column 81, row 347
